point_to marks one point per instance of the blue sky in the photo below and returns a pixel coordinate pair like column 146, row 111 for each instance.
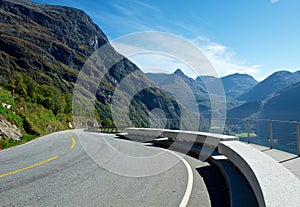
column 257, row 37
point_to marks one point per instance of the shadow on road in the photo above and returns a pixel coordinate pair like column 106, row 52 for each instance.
column 216, row 185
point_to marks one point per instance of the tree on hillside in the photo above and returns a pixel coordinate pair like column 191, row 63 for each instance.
column 20, row 86
column 32, row 89
column 68, row 103
column 50, row 98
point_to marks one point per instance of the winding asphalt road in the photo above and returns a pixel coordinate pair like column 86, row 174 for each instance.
column 56, row 170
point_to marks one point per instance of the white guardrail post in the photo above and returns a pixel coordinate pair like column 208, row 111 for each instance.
column 271, row 135
column 248, row 131
column 298, row 138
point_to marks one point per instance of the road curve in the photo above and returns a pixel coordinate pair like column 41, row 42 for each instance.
column 56, row 170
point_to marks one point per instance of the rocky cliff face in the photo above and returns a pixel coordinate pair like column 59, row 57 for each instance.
column 51, row 45
column 8, row 130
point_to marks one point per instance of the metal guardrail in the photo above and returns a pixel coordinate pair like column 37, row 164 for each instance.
column 283, row 135
column 108, row 129
column 278, row 134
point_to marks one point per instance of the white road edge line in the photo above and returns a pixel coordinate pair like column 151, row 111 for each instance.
column 189, row 186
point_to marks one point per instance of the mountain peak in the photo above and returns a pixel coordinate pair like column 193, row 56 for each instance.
column 238, row 75
column 179, row 72
column 281, row 73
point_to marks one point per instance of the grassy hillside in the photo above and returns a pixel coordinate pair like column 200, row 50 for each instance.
column 32, row 116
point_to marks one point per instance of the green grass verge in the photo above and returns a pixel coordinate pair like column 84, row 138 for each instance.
column 245, row 134
column 7, row 143
column 31, row 118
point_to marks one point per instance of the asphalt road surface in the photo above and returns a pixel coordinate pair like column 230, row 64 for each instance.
column 77, row 168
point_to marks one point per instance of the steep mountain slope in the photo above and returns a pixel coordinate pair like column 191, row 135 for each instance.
column 48, row 43
column 52, row 43
column 207, row 79
column 284, row 105
column 246, row 110
column 268, row 87
column 236, row 84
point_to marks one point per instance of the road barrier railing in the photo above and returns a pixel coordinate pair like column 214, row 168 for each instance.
column 278, row 134
column 108, row 129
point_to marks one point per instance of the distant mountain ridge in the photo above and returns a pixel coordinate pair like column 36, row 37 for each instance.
column 271, row 85
column 275, row 97
column 234, row 84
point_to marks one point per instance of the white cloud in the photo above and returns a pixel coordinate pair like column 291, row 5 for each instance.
column 224, row 59
column 216, row 49
column 274, row 1
column 257, row 66
column 146, row 6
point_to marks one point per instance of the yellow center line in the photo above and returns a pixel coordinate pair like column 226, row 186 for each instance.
column 39, row 163
column 29, row 167
column 73, row 141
